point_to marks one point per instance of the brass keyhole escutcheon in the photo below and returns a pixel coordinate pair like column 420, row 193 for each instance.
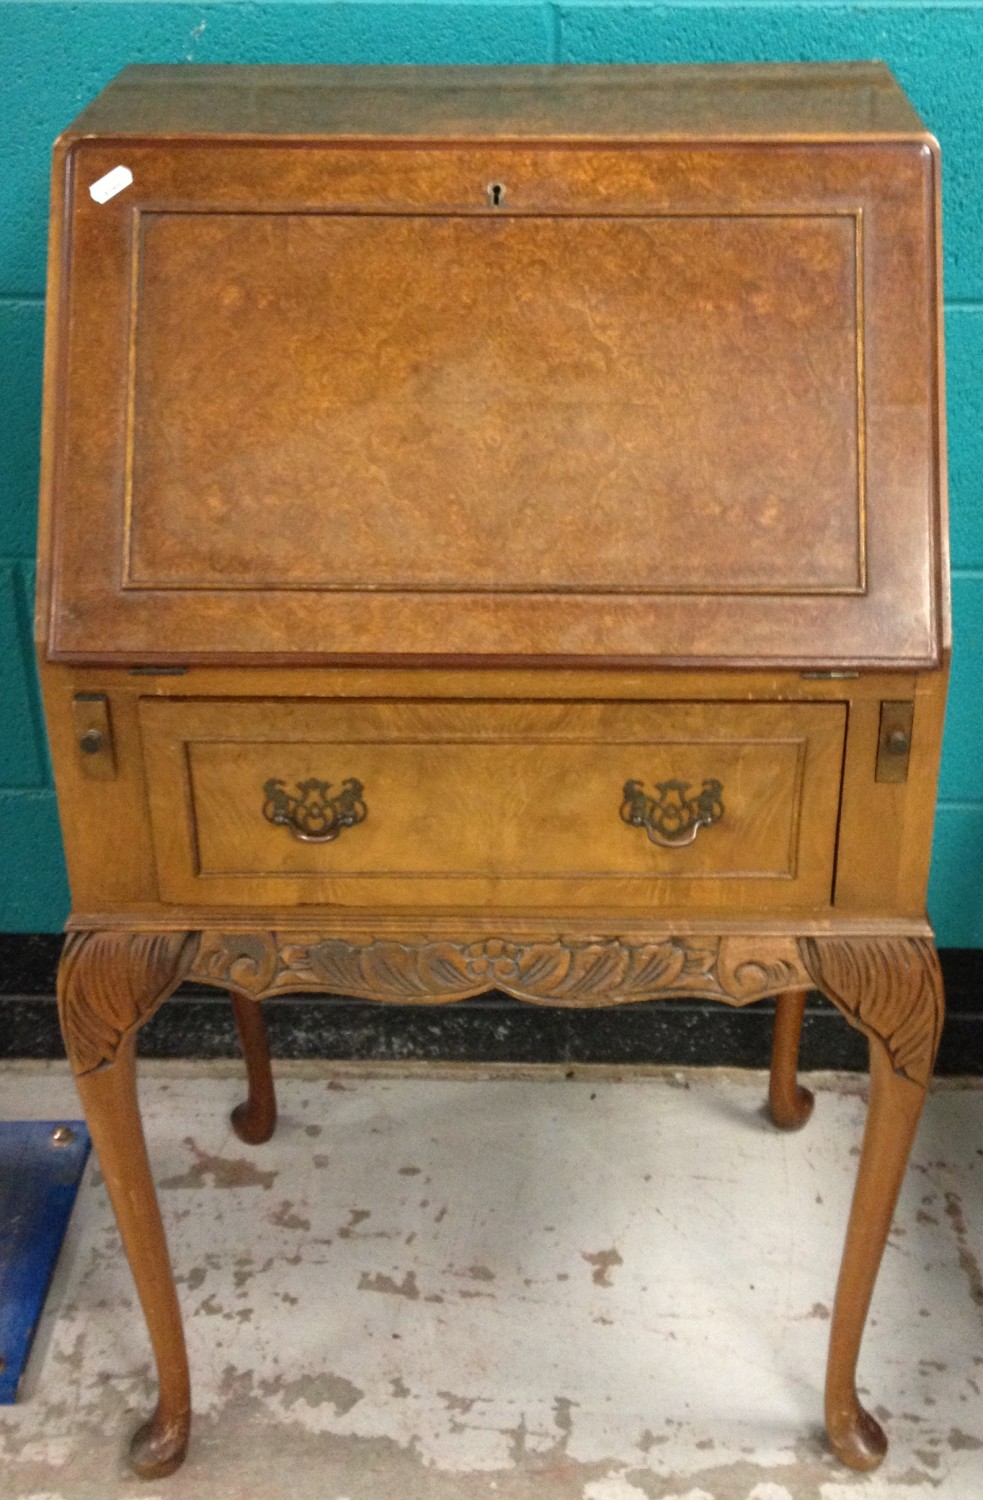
column 496, row 194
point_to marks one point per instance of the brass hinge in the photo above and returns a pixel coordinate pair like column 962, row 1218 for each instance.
column 894, row 740
column 157, row 671
column 94, row 735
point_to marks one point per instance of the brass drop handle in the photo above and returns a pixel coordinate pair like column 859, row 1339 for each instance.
column 672, row 818
column 310, row 812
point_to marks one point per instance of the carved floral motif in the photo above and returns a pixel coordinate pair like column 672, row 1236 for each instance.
column 559, row 971
column 109, row 983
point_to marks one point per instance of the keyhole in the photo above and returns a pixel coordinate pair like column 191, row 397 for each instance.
column 496, row 192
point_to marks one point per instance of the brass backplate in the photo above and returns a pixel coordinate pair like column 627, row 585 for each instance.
column 894, row 740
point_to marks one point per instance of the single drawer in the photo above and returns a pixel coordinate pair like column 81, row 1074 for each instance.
column 417, row 804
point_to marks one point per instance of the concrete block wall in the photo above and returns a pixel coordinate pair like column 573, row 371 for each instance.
column 55, row 54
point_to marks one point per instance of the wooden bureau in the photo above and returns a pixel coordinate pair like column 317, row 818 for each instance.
column 493, row 535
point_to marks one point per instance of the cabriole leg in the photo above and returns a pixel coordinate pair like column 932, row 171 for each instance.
column 110, row 1102
column 254, row 1120
column 789, row 1103
column 108, row 984
column 891, row 989
column 892, row 1119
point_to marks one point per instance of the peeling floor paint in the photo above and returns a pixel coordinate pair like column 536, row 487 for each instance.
column 595, row 1288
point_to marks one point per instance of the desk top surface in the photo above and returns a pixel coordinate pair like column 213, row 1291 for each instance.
column 780, row 101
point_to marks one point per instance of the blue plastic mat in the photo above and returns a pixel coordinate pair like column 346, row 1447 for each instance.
column 41, row 1163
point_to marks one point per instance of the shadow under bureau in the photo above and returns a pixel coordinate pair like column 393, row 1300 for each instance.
column 493, row 535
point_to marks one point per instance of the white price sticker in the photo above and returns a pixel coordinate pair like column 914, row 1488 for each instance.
column 110, row 184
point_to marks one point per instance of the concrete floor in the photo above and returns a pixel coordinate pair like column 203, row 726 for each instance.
column 444, row 1285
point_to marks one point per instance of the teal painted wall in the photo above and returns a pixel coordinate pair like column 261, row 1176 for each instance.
column 55, row 54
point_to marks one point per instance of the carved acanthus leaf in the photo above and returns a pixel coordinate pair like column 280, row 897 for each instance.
column 890, row 988
column 109, row 983
column 551, row 971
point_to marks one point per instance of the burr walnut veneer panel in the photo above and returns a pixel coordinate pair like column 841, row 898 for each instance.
column 458, row 403
column 662, row 403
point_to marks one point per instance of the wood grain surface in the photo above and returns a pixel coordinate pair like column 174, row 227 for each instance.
column 477, row 447
column 494, row 804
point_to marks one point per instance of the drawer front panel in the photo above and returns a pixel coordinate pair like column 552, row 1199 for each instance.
column 555, row 804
